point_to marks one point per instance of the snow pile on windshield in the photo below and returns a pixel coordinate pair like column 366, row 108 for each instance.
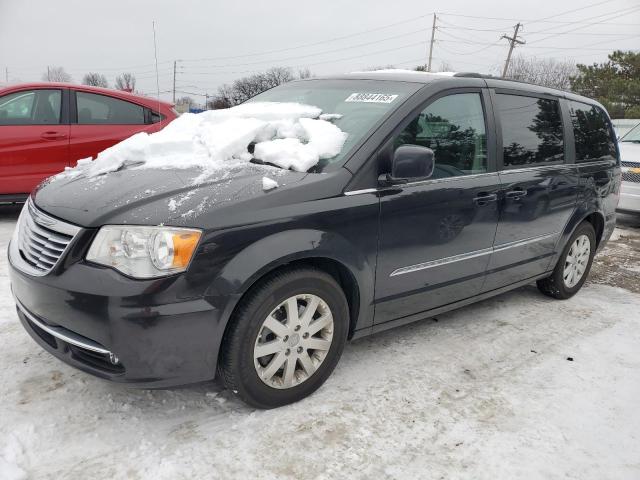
column 289, row 135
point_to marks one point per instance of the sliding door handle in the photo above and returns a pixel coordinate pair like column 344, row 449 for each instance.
column 515, row 194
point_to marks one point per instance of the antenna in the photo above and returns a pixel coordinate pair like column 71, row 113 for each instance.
column 155, row 53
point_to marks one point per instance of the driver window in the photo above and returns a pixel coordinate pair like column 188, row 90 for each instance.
column 453, row 127
column 31, row 107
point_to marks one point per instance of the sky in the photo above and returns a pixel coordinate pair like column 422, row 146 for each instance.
column 215, row 42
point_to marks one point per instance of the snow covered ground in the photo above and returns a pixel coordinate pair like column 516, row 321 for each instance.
column 486, row 392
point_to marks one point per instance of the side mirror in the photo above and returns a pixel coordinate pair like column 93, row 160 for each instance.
column 410, row 163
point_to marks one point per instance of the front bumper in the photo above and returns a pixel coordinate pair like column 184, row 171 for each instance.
column 629, row 197
column 152, row 333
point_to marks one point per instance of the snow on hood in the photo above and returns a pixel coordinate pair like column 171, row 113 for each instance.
column 290, row 135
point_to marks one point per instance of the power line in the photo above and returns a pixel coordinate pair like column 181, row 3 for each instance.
column 329, row 40
column 498, row 30
column 275, row 61
column 524, row 20
column 401, row 47
column 584, row 7
column 470, row 40
column 620, row 13
column 600, row 42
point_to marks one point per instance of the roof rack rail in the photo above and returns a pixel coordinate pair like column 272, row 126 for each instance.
column 469, row 75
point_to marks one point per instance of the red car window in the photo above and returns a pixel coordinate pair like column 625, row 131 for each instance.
column 31, row 107
column 94, row 109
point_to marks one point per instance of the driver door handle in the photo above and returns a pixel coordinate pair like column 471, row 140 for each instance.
column 485, row 198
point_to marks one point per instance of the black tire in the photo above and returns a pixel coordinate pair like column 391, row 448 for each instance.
column 554, row 285
column 236, row 363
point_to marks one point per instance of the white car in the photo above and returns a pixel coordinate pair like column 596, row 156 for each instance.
column 630, row 156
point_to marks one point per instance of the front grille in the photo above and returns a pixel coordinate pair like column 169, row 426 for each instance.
column 42, row 240
column 631, row 177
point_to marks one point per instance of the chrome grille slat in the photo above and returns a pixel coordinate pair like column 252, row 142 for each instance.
column 49, row 246
column 42, row 240
column 46, row 234
column 46, row 257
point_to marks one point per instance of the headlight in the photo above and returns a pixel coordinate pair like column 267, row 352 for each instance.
column 144, row 252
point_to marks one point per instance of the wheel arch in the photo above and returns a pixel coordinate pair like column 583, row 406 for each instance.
column 596, row 219
column 581, row 214
column 327, row 251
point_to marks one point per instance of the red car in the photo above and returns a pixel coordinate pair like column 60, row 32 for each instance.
column 45, row 127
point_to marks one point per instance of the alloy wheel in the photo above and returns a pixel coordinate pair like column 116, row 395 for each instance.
column 576, row 262
column 293, row 341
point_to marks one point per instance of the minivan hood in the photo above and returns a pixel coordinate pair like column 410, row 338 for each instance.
column 153, row 196
column 630, row 152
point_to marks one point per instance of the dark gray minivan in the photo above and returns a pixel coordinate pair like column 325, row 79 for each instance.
column 449, row 189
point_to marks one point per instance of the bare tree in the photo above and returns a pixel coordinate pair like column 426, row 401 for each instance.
column 445, row 67
column 245, row 88
column 379, row 67
column 224, row 98
column 186, row 100
column 276, row 76
column 305, row 73
column 126, row 82
column 547, row 72
column 56, row 74
column 95, row 80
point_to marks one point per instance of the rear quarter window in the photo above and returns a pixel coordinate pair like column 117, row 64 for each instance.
column 593, row 133
column 95, row 109
column 532, row 132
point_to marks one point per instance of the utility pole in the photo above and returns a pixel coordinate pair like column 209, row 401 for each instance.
column 6, row 74
column 174, row 81
column 206, row 101
column 48, row 74
column 512, row 43
column 433, row 34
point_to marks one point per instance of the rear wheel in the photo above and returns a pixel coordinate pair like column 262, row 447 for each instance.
column 285, row 338
column 573, row 266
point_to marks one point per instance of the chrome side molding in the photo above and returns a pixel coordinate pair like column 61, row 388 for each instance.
column 476, row 253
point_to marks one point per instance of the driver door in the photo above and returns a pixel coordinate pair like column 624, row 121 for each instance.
column 436, row 235
column 34, row 138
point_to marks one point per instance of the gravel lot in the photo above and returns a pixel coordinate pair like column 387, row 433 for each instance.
column 519, row 386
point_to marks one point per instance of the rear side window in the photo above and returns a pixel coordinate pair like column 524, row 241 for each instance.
column 155, row 117
column 531, row 130
column 95, row 109
column 453, row 127
column 592, row 132
column 31, row 107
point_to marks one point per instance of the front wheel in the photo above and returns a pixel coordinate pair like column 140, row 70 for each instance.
column 285, row 338
column 573, row 266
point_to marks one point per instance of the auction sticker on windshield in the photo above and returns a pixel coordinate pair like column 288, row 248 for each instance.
column 371, row 97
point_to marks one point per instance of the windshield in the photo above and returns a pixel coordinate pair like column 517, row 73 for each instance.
column 632, row 135
column 361, row 105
